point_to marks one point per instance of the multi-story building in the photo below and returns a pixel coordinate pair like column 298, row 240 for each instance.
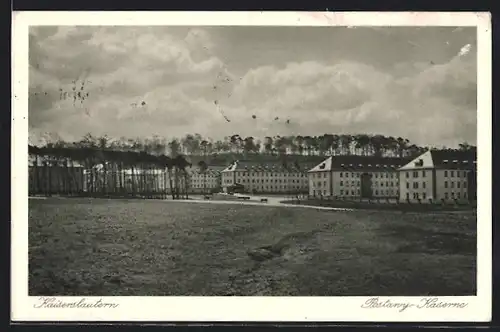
column 46, row 177
column 206, row 181
column 439, row 175
column 355, row 177
column 266, row 177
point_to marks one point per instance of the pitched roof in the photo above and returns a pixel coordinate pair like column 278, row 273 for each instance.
column 34, row 161
column 450, row 159
column 208, row 172
column 443, row 159
column 268, row 166
column 359, row 163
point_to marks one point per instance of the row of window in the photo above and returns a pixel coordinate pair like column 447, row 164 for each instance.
column 358, row 183
column 204, row 180
column 271, row 180
column 415, row 174
column 267, row 174
column 415, row 185
column 357, row 192
column 452, row 184
column 416, row 195
column 455, row 195
column 274, row 188
column 452, row 174
column 376, row 175
column 201, row 186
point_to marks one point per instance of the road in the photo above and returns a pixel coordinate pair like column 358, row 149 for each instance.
column 255, row 200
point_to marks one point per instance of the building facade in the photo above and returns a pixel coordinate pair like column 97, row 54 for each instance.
column 46, row 177
column 267, row 177
column 208, row 181
column 439, row 175
column 355, row 177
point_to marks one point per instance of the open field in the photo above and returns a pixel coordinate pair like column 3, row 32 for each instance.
column 144, row 247
column 392, row 205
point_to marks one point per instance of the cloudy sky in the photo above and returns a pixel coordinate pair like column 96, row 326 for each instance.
column 418, row 83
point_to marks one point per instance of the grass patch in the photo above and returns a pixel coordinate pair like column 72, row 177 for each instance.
column 384, row 206
column 140, row 248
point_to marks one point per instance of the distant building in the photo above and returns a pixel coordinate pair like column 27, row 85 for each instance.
column 438, row 175
column 266, row 177
column 355, row 177
column 48, row 177
column 206, row 181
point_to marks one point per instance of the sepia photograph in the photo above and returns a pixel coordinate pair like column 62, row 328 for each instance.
column 252, row 161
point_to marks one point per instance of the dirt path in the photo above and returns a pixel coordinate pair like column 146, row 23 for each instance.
column 272, row 201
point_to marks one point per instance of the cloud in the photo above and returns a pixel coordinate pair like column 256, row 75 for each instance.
column 464, row 50
column 179, row 74
column 118, row 68
column 428, row 103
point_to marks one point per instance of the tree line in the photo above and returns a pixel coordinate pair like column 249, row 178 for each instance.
column 156, row 163
column 104, row 160
column 322, row 145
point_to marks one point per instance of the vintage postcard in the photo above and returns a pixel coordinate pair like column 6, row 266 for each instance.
column 251, row 166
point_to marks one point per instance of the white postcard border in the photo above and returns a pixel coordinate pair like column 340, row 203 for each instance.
column 26, row 308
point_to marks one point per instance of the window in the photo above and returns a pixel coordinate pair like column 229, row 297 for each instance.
column 341, row 192
column 324, row 175
column 352, row 175
column 446, row 184
column 376, row 192
column 458, row 184
column 452, row 174
column 352, row 193
column 324, row 192
column 381, row 184
column 458, row 195
column 407, row 195
column 415, row 195
column 387, row 183
column 376, row 175
column 415, row 185
column 358, row 192
column 446, row 195
column 465, row 184
column 423, row 195
column 465, row 195
column 415, row 174
column 465, row 175
column 353, row 183
column 324, row 183
column 386, row 175
column 407, row 174
column 392, row 184
column 407, row 185
column 346, row 175
column 341, row 183
column 319, row 184
column 423, row 185
column 359, row 183
column 445, row 174
column 340, row 174
column 452, row 184
column 453, row 195
column 423, row 175
column 357, row 175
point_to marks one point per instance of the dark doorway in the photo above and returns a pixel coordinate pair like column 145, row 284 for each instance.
column 472, row 185
column 366, row 185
